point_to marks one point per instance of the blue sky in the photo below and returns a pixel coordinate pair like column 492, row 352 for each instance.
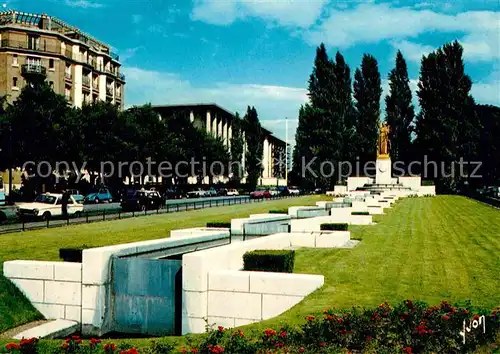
column 260, row 52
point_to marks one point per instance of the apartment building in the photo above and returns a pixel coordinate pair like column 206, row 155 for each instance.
column 218, row 121
column 78, row 66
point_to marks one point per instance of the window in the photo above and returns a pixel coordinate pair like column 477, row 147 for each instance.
column 33, row 42
column 14, row 81
column 34, row 61
column 14, row 60
column 51, row 64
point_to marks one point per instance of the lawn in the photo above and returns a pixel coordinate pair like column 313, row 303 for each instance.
column 44, row 244
column 430, row 249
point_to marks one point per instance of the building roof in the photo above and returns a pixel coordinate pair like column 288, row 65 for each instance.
column 209, row 106
column 53, row 24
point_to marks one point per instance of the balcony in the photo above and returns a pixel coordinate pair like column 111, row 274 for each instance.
column 33, row 71
column 86, row 82
column 121, row 76
column 114, row 56
column 95, row 85
column 45, row 48
column 68, row 76
column 109, row 92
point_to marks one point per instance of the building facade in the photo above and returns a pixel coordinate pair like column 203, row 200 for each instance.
column 219, row 121
column 75, row 64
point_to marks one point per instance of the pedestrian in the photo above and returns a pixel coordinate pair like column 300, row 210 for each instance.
column 64, row 203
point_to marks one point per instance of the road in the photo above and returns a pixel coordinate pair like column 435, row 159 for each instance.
column 112, row 211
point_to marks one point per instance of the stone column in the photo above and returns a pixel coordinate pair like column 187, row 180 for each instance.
column 208, row 123
column 214, row 125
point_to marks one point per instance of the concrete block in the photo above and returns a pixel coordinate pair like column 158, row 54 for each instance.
column 274, row 305
column 73, row 313
column 194, row 303
column 226, row 322
column 94, row 318
column 29, row 270
column 193, row 325
column 229, row 281
column 284, row 284
column 50, row 330
column 93, row 296
column 237, row 305
column 66, row 271
column 32, row 289
column 332, row 239
column 302, row 239
column 50, row 311
column 64, row 293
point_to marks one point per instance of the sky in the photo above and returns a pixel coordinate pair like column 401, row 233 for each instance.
column 260, row 52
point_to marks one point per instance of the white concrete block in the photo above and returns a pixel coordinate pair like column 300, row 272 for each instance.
column 93, row 296
column 243, row 322
column 50, row 311
column 92, row 317
column 332, row 239
column 53, row 329
column 29, row 270
column 302, row 239
column 65, row 293
column 73, row 313
column 237, row 305
column 284, row 283
column 274, row 305
column 229, row 280
column 194, row 303
column 32, row 289
column 226, row 322
column 193, row 325
column 66, row 271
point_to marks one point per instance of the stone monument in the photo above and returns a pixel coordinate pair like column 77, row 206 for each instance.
column 384, row 165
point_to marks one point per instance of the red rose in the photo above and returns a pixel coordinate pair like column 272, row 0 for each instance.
column 407, row 350
column 283, row 334
column 194, row 351
column 340, row 320
column 445, row 317
column 476, row 317
column 310, row 318
column 322, row 344
column 301, row 350
column 221, row 329
column 12, row 346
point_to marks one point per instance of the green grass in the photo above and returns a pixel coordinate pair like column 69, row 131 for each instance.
column 430, row 249
column 44, row 244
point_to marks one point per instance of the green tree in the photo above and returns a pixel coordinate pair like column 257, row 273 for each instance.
column 254, row 139
column 367, row 92
column 237, row 149
column 399, row 111
column 489, row 145
column 447, row 126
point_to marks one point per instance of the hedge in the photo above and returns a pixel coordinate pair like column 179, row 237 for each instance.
column 360, row 213
column 280, row 261
column 278, row 211
column 219, row 224
column 334, row 227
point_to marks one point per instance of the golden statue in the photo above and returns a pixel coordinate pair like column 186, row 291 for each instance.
column 383, row 140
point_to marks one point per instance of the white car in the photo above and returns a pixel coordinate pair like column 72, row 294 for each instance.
column 199, row 193
column 232, row 192
column 47, row 206
column 294, row 191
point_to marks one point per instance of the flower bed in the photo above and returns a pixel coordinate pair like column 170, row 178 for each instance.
column 410, row 327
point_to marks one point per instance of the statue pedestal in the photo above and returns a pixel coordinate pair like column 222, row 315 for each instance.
column 384, row 171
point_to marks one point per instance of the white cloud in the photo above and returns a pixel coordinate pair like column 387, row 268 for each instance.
column 487, row 91
column 410, row 50
column 136, row 19
column 85, row 4
column 287, row 13
column 272, row 102
column 371, row 23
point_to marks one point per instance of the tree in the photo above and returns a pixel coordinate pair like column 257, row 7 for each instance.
column 236, row 149
column 367, row 92
column 399, row 111
column 447, row 126
column 489, row 145
column 254, row 138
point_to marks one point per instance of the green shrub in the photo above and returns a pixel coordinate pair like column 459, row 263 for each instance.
column 278, row 211
column 334, row 227
column 427, row 183
column 280, row 261
column 219, row 224
column 360, row 213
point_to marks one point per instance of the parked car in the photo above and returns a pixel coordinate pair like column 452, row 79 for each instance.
column 232, row 192
column 47, row 206
column 294, row 190
column 260, row 194
column 101, row 196
column 143, row 200
column 283, row 190
column 274, row 191
column 211, row 192
column 80, row 199
column 198, row 193
column 319, row 191
column 222, row 192
column 173, row 193
column 493, row 192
